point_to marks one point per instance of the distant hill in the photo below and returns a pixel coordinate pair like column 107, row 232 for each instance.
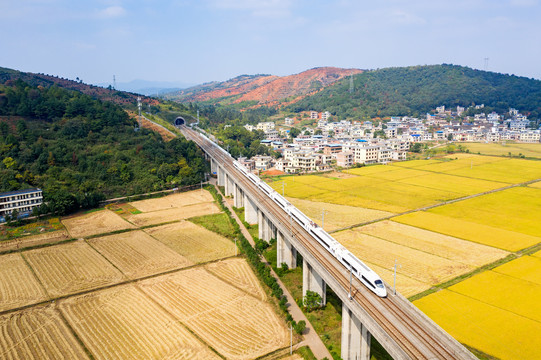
column 267, row 90
column 418, row 89
column 97, row 92
column 148, row 88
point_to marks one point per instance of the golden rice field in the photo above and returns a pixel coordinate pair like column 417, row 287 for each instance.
column 18, row 286
column 528, row 150
column 120, row 322
column 98, row 222
column 238, row 273
column 516, row 209
column 238, row 325
column 495, row 311
column 70, row 268
column 37, row 333
column 193, row 242
column 137, row 254
column 469, row 230
column 337, row 216
column 536, row 185
column 495, row 331
column 410, row 185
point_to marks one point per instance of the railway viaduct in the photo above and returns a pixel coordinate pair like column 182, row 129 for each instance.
column 403, row 330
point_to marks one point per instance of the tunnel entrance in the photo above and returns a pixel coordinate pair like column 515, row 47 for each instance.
column 180, row 121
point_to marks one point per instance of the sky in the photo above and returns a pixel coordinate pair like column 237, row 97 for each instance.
column 197, row 41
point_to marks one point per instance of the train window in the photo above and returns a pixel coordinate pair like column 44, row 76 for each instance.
column 379, row 283
column 346, row 262
column 354, row 270
column 368, row 282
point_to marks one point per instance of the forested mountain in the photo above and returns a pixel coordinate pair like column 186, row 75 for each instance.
column 79, row 149
column 418, row 89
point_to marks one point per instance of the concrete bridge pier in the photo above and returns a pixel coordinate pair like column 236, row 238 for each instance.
column 213, row 166
column 250, row 211
column 355, row 337
column 265, row 227
column 311, row 281
column 238, row 196
column 229, row 185
column 285, row 252
column 221, row 176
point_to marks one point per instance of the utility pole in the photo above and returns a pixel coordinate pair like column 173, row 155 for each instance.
column 283, row 188
column 236, row 248
column 323, row 212
column 394, row 284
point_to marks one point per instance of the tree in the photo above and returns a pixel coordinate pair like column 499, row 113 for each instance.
column 299, row 327
column 318, row 132
column 450, row 137
column 294, row 132
column 416, row 147
column 312, row 300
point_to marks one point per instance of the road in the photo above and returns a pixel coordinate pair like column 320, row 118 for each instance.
column 416, row 335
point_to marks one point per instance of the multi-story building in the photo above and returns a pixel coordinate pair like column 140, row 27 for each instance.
column 265, row 126
column 325, row 115
column 289, row 121
column 23, row 201
column 345, row 159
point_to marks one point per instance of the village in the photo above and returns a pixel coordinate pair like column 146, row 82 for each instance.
column 344, row 143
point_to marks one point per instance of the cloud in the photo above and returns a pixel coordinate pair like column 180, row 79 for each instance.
column 112, row 12
column 258, row 8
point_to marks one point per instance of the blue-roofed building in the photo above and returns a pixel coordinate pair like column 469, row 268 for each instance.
column 24, row 201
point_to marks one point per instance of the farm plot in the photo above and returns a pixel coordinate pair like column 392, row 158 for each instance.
column 405, row 285
column 516, row 209
column 444, row 246
column 238, row 273
column 457, row 184
column 493, row 330
column 123, row 323
column 529, row 150
column 419, row 265
column 513, row 294
column 137, row 254
column 70, row 268
column 527, row 268
column 193, row 242
column 18, row 286
column 34, row 240
column 173, row 200
column 173, row 214
column 337, row 216
column 98, row 222
column 509, row 171
column 37, row 333
column 235, row 324
column 469, row 230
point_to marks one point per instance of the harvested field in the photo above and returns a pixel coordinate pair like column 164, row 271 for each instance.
column 337, row 175
column 469, row 230
column 98, row 222
column 444, row 246
column 173, row 214
column 416, row 264
column 493, row 330
column 50, row 237
column 238, row 273
column 337, row 216
column 70, row 268
column 238, row 325
column 18, row 286
column 137, row 254
column 173, row 200
column 193, row 242
column 37, row 333
column 123, row 323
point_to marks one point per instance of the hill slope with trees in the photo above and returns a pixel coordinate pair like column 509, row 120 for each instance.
column 80, row 150
column 418, row 89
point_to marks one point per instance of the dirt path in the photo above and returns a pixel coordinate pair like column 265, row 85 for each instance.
column 311, row 338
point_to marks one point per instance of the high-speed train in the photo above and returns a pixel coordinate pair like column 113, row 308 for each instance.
column 358, row 269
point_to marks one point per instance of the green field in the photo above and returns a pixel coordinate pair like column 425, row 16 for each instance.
column 528, row 150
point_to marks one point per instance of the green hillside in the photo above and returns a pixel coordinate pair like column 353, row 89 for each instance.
column 418, row 89
column 79, row 149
